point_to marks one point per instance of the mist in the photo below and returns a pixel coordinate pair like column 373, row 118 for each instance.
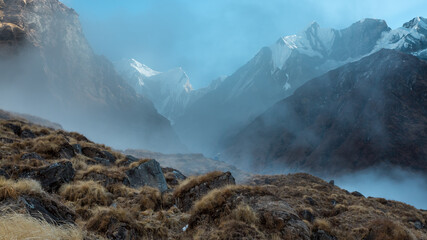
column 389, row 183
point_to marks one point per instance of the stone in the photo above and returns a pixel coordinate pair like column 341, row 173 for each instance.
column 173, row 176
column 307, row 215
column 101, row 155
column 6, row 140
column 67, row 151
column 147, row 174
column 32, row 155
column 332, row 182
column 53, row 176
column 26, row 133
column 186, row 199
column 4, row 174
column 77, row 148
column 322, row 235
column 15, row 128
column 48, row 209
column 357, row 194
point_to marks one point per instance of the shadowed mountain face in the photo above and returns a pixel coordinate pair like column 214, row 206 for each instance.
column 362, row 114
column 278, row 70
column 48, row 69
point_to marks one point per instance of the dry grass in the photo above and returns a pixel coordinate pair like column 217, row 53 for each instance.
column 137, row 163
column 20, row 226
column 149, row 198
column 190, row 182
column 384, row 229
column 86, row 193
column 13, row 189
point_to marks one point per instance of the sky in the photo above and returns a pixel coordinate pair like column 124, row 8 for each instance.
column 213, row 38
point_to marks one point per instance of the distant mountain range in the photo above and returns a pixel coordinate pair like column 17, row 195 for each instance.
column 171, row 91
column 48, row 69
column 278, row 70
column 363, row 114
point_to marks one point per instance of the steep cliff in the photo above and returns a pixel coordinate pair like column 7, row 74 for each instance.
column 49, row 69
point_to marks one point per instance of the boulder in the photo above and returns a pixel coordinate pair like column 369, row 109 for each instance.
column 53, row 176
column 147, row 174
column 128, row 160
column 100, row 155
column 187, row 195
column 46, row 208
column 67, row 151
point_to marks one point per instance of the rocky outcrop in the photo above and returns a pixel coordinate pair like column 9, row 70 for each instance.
column 147, row 174
column 53, row 176
column 199, row 186
column 49, row 70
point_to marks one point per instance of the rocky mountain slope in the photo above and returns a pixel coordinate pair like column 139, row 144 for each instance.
column 48, row 69
column 59, row 185
column 365, row 113
column 171, row 91
column 278, row 70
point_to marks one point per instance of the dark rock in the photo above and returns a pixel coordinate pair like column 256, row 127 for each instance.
column 307, row 215
column 128, row 160
column 53, row 176
column 186, row 199
column 357, row 194
column 173, row 176
column 4, row 174
column 101, row 155
column 5, row 140
column 333, row 202
column 15, row 128
column 418, row 225
column 48, row 209
column 105, row 179
column 67, row 151
column 102, row 161
column 77, row 148
column 147, row 174
column 310, row 201
column 26, row 133
column 109, row 156
column 332, row 182
column 322, row 235
column 32, row 155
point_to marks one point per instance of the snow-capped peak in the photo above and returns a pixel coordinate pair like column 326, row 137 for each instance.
column 143, row 69
column 416, row 23
column 313, row 41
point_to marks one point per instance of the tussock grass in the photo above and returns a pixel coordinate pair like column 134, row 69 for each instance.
column 385, row 229
column 86, row 193
column 191, row 182
column 21, row 226
column 14, row 189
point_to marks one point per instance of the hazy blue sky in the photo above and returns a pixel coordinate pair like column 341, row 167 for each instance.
column 211, row 38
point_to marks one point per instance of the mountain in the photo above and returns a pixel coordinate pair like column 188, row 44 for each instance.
column 363, row 114
column 171, row 91
column 278, row 70
column 48, row 69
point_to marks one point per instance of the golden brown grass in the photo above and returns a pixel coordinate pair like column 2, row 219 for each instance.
column 190, row 182
column 137, row 163
column 13, row 189
column 20, row 226
column 86, row 193
column 385, row 229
